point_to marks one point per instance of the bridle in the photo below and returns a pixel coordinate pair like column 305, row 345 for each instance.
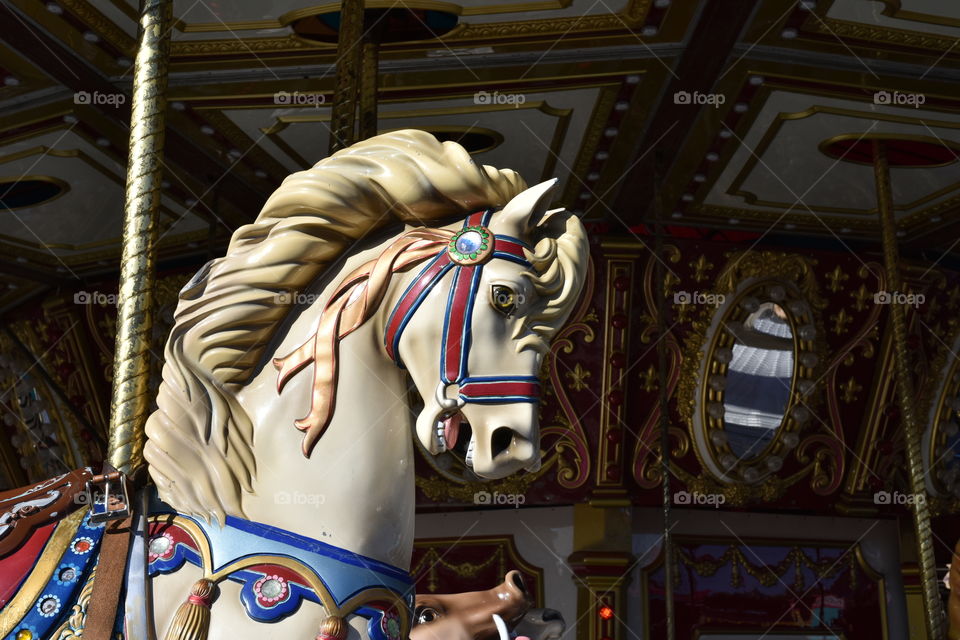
column 466, row 253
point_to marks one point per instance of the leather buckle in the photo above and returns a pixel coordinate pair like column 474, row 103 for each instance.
column 108, row 497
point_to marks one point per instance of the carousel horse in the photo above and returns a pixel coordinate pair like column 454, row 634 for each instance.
column 280, row 452
column 474, row 615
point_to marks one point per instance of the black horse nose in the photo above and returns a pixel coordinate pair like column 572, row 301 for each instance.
column 550, row 615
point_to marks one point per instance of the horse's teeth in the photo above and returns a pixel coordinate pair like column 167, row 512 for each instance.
column 441, row 439
column 469, row 457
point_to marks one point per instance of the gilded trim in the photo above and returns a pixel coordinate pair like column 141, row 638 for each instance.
column 41, row 573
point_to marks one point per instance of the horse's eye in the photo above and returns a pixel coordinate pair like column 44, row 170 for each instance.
column 426, row 615
column 503, row 299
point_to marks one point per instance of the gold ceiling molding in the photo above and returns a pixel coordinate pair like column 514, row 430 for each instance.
column 893, row 9
column 783, row 77
column 332, row 7
column 562, row 115
column 101, row 25
column 632, row 16
column 736, row 185
column 41, row 248
column 588, row 145
column 886, row 35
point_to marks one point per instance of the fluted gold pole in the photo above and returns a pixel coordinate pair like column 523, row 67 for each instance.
column 905, row 397
column 343, row 115
column 129, row 402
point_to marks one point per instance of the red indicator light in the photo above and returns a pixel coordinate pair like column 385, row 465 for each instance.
column 606, row 612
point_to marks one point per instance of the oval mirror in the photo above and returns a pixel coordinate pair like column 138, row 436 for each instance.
column 943, row 436
column 759, row 379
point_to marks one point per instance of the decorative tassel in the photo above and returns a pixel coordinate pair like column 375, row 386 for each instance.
column 333, row 628
column 192, row 620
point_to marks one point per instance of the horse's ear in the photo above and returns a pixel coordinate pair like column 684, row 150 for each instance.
column 526, row 210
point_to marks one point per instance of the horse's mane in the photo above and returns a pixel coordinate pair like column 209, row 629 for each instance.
column 200, row 440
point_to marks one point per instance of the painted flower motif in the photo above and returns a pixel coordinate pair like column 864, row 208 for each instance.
column 82, row 545
column 390, row 624
column 48, row 606
column 160, row 546
column 66, row 573
column 271, row 589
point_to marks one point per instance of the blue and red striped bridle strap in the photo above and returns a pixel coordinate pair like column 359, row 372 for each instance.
column 458, row 319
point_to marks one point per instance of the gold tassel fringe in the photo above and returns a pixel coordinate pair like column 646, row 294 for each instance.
column 333, row 628
column 192, row 620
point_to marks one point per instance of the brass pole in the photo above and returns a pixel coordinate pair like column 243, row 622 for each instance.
column 905, row 397
column 131, row 372
column 370, row 69
column 343, row 115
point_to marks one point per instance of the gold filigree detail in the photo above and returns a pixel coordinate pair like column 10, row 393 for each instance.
column 861, row 297
column 744, row 273
column 770, row 575
column 578, row 377
column 701, row 268
column 836, row 279
column 861, row 31
column 650, row 379
column 840, row 321
column 850, row 390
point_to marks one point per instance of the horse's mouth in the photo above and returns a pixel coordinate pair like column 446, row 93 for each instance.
column 453, row 433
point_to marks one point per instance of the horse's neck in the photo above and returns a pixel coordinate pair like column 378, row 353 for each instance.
column 356, row 491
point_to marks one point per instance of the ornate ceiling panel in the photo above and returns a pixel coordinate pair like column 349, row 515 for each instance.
column 764, row 164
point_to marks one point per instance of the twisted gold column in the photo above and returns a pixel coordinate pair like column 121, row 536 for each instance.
column 905, row 397
column 129, row 402
column 368, row 87
column 343, row 115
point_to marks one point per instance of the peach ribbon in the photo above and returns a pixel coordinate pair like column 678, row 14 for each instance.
column 342, row 315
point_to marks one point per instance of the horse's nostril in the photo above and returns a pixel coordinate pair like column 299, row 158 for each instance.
column 518, row 581
column 500, row 440
column 549, row 615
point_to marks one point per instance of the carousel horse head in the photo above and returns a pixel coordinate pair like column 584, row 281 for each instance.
column 465, row 295
column 470, row 615
column 474, row 348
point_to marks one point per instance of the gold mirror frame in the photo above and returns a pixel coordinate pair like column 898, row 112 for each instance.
column 710, row 432
column 723, row 462
column 944, row 418
column 744, row 274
